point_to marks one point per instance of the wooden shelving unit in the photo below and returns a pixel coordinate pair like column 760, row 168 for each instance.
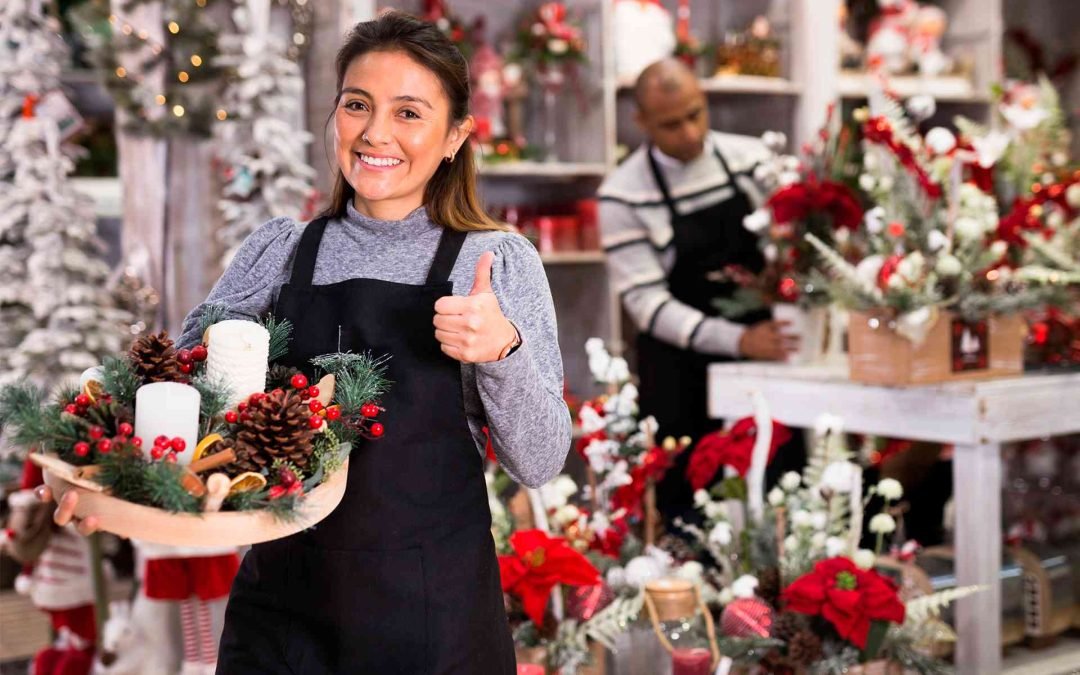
column 574, row 258
column 544, row 170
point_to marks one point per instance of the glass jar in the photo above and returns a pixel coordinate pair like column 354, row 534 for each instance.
column 684, row 626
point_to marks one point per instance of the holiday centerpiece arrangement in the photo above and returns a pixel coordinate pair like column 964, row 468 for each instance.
column 213, row 445
column 934, row 291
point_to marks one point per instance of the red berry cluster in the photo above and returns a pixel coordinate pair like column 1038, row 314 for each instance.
column 288, row 485
column 81, row 405
column 189, row 358
column 166, row 448
column 104, row 445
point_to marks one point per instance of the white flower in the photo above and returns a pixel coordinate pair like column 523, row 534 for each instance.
column 940, row 140
column 556, row 493
column 600, row 454
column 566, row 514
column 791, row 163
column 895, row 281
column 969, row 229
column 999, row 248
column 875, row 220
column 791, row 481
column 771, row 252
column 990, row 148
column 776, row 497
column 649, row 425
column 819, row 540
column 763, row 173
column 1056, row 219
column 842, row 235
column 791, row 543
column 725, row 597
column 867, row 182
column 714, row 510
column 619, row 371
column 911, row 266
column 890, row 488
column 864, row 558
column 789, row 178
column 949, row 265
column 839, row 477
column 1072, row 195
column 835, row 546
column 744, row 586
column 819, row 519
column 882, row 523
column 774, row 140
column 869, row 268
column 591, row 421
column 921, row 107
column 801, row 519
column 692, row 571
column 871, row 161
column 615, row 577
column 642, row 570
column 599, row 364
column 558, row 46
column 1023, row 116
column 594, row 345
column 885, row 183
column 701, row 498
column 936, row 240
column 720, row 535
column 758, row 221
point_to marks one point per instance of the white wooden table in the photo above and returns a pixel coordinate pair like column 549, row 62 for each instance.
column 976, row 417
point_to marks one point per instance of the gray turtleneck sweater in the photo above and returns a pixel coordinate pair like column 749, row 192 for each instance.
column 519, row 398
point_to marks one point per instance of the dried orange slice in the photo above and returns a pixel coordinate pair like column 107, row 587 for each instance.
column 204, row 445
column 93, row 389
column 246, row 482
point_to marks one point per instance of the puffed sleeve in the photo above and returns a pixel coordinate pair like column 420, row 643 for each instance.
column 250, row 283
column 523, row 394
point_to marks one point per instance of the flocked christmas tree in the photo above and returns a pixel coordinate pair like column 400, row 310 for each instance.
column 263, row 152
column 31, row 52
column 61, row 302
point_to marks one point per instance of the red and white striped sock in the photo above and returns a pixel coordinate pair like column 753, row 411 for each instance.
column 190, row 629
column 207, row 644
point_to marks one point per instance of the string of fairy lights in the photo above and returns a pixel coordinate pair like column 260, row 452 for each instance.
column 171, row 105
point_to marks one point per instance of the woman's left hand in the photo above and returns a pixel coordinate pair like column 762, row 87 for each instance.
column 473, row 329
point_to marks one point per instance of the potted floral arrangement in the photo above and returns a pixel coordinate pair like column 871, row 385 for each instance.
column 214, row 445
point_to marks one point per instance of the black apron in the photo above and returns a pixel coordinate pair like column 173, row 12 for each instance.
column 402, row 577
column 673, row 380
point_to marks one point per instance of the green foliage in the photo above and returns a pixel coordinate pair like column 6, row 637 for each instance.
column 359, row 378
column 280, row 336
column 213, row 400
column 746, row 651
column 607, row 624
column 213, row 313
column 31, row 423
column 156, row 484
column 120, row 380
column 328, row 453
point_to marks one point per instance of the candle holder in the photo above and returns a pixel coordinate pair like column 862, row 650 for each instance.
column 684, row 626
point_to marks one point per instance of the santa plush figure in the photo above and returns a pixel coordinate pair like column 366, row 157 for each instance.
column 197, row 581
column 56, row 575
column 644, row 33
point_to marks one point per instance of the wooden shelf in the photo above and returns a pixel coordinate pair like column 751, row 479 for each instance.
column 738, row 84
column 573, row 258
column 547, row 170
column 950, row 88
column 107, row 194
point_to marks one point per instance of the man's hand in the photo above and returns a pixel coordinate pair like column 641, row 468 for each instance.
column 65, row 511
column 473, row 329
column 767, row 341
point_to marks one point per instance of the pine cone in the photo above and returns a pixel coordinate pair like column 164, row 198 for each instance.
column 154, row 359
column 769, row 585
column 804, row 648
column 280, row 376
column 275, row 427
column 678, row 547
column 787, row 625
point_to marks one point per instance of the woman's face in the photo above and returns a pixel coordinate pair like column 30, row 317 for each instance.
column 392, row 129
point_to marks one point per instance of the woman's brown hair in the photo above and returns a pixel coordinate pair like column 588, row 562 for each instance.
column 450, row 196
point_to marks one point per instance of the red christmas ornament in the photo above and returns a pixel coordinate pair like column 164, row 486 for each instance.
column 81, row 449
column 104, row 446
column 314, row 421
column 377, row 430
column 315, row 405
column 96, row 432
column 585, row 601
column 747, row 618
column 178, row 444
column 83, row 401
column 896, row 229
column 313, row 392
column 184, row 356
column 299, row 381
column 125, row 429
column 198, row 353
column 231, row 417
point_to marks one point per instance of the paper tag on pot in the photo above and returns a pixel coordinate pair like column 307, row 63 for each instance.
column 970, row 345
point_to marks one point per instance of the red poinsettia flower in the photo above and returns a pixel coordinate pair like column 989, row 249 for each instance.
column 651, row 467
column 847, row 597
column 797, row 201
column 732, row 448
column 538, row 563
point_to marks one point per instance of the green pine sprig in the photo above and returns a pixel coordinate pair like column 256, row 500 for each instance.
column 213, row 400
column 359, row 378
column 32, row 423
column 213, row 313
column 129, row 477
column 280, row 336
column 120, row 379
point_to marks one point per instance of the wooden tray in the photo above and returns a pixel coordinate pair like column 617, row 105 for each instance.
column 230, row 528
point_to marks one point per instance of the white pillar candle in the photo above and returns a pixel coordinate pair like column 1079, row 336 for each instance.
column 170, row 409
column 238, row 355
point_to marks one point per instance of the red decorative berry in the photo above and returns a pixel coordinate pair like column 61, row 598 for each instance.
column 171, row 458
column 333, row 413
column 184, row 356
column 136, row 441
column 158, row 452
column 82, row 400
column 161, row 441
column 80, row 410
column 244, row 417
column 313, row 392
column 287, row 477
column 369, row 410
column 314, row 421
column 277, row 492
column 71, row 409
column 315, row 405
column 125, row 429
column 242, row 406
column 96, row 432
column 198, row 353
column 296, row 489
column 377, row 430
column 81, row 449
column 299, row 381
column 186, row 368
column 104, row 446
column 231, row 417
column 178, row 444
column 256, row 397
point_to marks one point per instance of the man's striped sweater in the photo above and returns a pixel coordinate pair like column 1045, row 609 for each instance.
column 637, row 235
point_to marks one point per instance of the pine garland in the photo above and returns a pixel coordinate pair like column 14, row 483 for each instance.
column 157, row 484
column 31, row 424
column 845, row 272
column 213, row 399
column 359, row 378
column 280, row 336
column 328, row 455
column 213, row 313
column 607, row 624
column 120, row 379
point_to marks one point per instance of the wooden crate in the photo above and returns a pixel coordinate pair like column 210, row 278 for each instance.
column 953, row 350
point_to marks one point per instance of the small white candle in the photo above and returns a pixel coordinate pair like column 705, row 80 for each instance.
column 238, row 355
column 170, row 409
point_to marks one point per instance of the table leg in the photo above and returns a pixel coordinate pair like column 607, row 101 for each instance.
column 977, row 495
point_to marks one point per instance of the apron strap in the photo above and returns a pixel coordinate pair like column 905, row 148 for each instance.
column 730, row 174
column 304, row 264
column 445, row 256
column 661, row 181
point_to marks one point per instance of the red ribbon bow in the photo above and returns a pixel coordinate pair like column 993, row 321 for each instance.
column 733, row 448
column 538, row 563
